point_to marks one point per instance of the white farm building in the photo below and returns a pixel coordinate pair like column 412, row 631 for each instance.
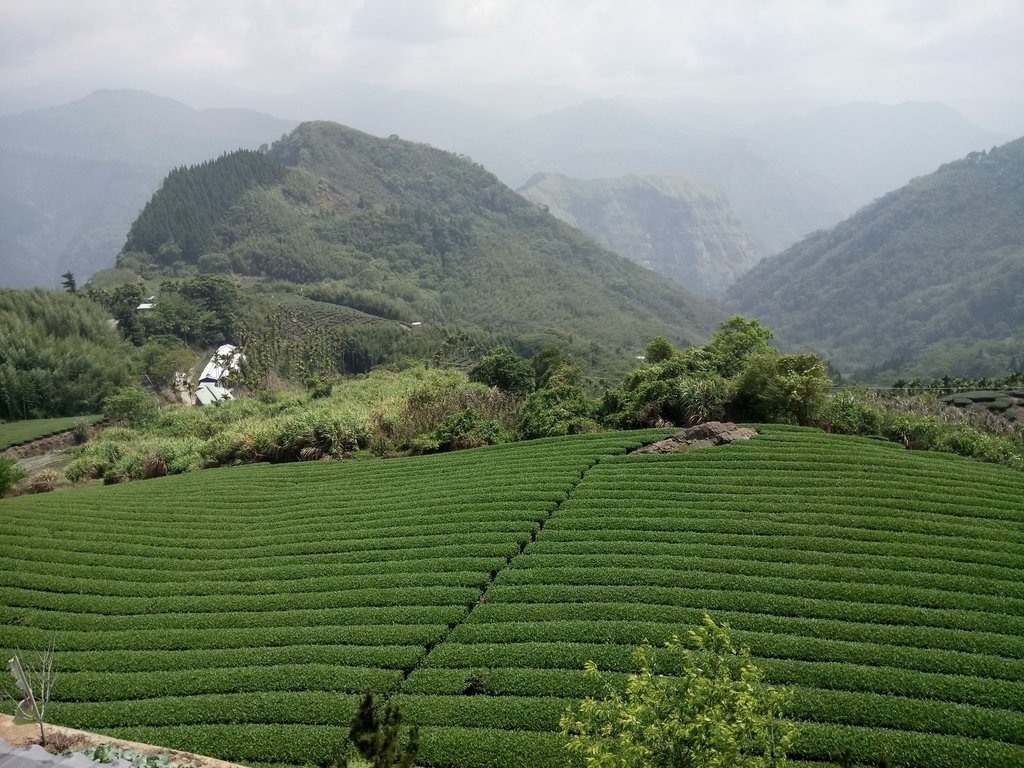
column 214, row 378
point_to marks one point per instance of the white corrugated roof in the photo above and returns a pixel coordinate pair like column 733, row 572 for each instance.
column 211, row 393
column 224, row 360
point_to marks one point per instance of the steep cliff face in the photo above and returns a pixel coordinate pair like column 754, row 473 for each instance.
column 674, row 225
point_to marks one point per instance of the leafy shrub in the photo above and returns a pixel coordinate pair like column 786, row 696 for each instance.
column 658, row 350
column 131, row 405
column 714, row 710
column 80, row 432
column 468, row 429
column 556, row 410
column 376, row 736
column 428, row 406
column 85, row 468
column 10, row 473
column 664, row 396
column 504, row 369
column 783, row 388
column 129, row 467
column 922, row 422
column 736, row 340
column 847, row 412
column 319, row 387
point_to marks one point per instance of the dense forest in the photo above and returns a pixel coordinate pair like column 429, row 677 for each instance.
column 59, row 355
column 198, row 195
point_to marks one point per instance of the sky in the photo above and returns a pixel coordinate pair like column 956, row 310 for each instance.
column 721, row 50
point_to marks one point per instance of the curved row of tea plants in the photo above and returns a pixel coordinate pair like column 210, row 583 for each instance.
column 257, row 603
column 883, row 586
column 240, row 612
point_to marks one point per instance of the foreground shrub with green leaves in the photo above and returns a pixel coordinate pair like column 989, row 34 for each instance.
column 736, row 374
column 10, row 474
column 707, row 708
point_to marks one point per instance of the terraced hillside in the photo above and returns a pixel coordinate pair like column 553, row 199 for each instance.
column 239, row 612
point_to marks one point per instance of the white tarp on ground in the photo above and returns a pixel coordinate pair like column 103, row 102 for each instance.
column 37, row 757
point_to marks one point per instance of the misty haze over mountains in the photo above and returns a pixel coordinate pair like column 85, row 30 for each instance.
column 72, row 177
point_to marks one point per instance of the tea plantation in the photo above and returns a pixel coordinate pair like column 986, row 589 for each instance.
column 240, row 612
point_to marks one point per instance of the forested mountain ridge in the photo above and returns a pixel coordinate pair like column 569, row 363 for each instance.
column 678, row 226
column 73, row 177
column 436, row 234
column 927, row 279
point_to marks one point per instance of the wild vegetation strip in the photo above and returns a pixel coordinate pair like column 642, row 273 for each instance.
column 241, row 612
column 14, row 433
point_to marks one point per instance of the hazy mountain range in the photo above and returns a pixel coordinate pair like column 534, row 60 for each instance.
column 72, row 177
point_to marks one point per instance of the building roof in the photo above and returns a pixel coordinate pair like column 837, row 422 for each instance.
column 208, row 394
column 224, row 361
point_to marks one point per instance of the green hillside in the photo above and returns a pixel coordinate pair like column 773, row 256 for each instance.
column 239, row 612
column 927, row 280
column 434, row 234
column 677, row 226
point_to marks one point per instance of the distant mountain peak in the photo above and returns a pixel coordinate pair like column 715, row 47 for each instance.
column 677, row 226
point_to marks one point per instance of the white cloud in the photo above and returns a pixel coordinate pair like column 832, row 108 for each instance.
column 731, row 49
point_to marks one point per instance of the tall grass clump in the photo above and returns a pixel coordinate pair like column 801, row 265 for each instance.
column 922, row 422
